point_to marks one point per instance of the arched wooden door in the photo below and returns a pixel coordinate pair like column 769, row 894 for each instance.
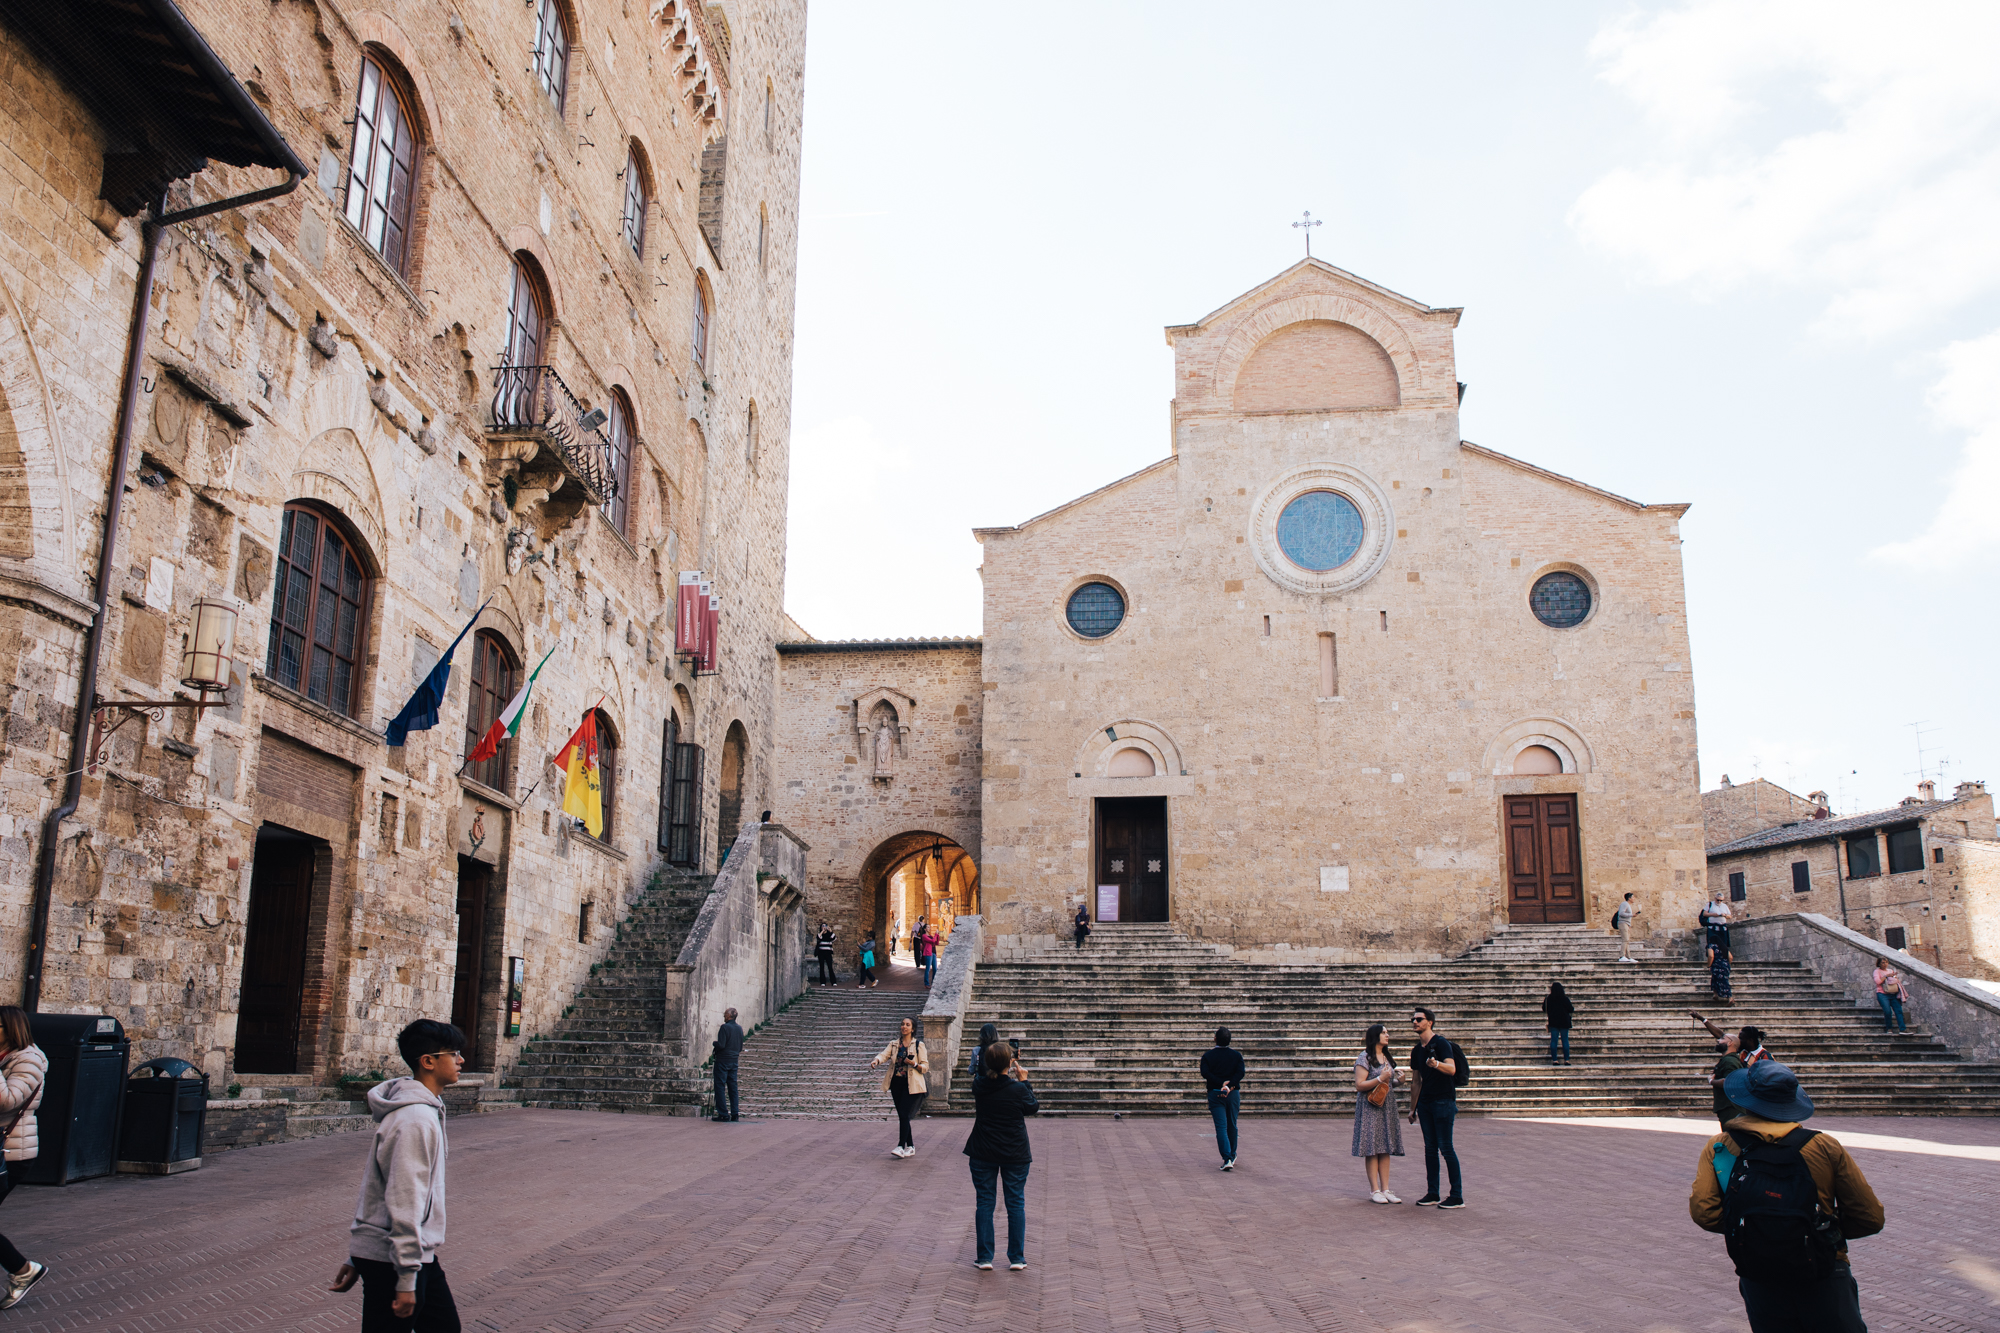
column 1544, row 859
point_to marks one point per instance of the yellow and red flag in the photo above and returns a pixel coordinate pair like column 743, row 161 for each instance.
column 583, row 789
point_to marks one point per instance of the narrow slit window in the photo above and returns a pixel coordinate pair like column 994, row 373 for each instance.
column 1329, row 668
column 1385, row 622
column 583, row 923
column 1267, row 627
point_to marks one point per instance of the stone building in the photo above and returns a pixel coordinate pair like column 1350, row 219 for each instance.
column 1327, row 681
column 520, row 340
column 1922, row 876
column 878, row 770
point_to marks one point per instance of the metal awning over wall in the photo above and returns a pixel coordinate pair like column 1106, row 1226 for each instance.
column 165, row 101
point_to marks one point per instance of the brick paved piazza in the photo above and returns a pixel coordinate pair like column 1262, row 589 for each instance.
column 573, row 1220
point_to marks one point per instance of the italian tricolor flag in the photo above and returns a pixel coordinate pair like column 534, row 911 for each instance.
column 508, row 724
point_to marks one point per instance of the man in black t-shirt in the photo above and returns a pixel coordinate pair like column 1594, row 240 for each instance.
column 1435, row 1106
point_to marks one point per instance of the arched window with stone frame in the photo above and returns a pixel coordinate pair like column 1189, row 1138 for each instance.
column 607, row 771
column 493, row 682
column 552, row 47
column 637, row 196
column 382, row 161
column 621, row 431
column 319, row 609
column 518, row 392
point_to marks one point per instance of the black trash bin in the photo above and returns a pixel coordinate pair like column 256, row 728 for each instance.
column 166, row 1101
column 78, row 1118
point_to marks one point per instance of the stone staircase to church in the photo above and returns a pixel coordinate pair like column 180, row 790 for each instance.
column 609, row 1052
column 1120, row 1026
column 810, row 1062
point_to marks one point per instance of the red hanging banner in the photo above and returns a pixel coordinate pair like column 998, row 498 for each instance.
column 714, row 634
column 688, row 615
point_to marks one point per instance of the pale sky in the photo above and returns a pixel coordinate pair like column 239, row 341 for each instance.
column 1736, row 254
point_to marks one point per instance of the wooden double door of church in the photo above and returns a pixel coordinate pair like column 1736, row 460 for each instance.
column 1131, row 859
column 1544, row 861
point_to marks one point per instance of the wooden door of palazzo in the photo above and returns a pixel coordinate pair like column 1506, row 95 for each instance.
column 475, row 882
column 1544, row 859
column 274, row 957
column 1132, row 854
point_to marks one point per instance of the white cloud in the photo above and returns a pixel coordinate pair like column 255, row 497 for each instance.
column 1967, row 398
column 1847, row 148
column 1850, row 147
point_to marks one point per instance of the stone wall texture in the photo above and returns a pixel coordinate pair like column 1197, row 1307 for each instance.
column 1365, row 823
column 288, row 362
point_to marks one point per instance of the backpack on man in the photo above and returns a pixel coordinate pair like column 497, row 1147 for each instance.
column 1461, row 1067
column 1771, row 1216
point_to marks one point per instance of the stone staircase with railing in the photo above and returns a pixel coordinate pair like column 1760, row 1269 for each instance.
column 810, row 1062
column 609, row 1052
column 1120, row 1026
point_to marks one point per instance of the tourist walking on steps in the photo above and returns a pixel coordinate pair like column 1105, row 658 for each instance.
column 1556, row 1004
column 1222, row 1071
column 23, row 1072
column 927, row 942
column 399, row 1223
column 728, row 1052
column 866, row 958
column 1082, row 924
column 1378, row 1132
column 823, row 949
column 1788, row 1200
column 908, row 1062
column 1002, row 1099
column 1621, row 921
column 1715, row 924
column 1434, row 1062
column 1718, row 969
column 1889, row 994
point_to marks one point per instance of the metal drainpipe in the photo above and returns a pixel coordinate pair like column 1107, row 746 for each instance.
column 86, row 689
column 1839, row 880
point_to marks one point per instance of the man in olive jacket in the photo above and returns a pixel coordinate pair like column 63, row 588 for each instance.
column 1773, row 1104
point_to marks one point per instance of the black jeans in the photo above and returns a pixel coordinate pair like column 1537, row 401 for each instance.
column 908, row 1104
column 725, row 1081
column 1831, row 1306
column 11, row 1258
column 1436, row 1117
column 436, row 1312
column 826, row 976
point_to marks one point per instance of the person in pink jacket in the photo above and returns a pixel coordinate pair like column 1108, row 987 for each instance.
column 23, row 1071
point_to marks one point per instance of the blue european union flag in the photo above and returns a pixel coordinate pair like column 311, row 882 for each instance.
column 421, row 712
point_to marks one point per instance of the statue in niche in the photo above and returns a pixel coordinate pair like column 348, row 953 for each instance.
column 885, row 748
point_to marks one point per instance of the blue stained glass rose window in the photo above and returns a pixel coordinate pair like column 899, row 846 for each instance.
column 1320, row 530
column 1560, row 600
column 1095, row 610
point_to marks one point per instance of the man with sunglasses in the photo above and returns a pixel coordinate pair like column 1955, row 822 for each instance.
column 1435, row 1106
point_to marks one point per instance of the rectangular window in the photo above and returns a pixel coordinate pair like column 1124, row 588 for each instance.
column 1329, row 668
column 1906, row 850
column 1937, row 855
column 1863, row 858
column 684, row 813
column 1894, row 937
column 583, row 924
column 1801, row 877
column 1737, row 893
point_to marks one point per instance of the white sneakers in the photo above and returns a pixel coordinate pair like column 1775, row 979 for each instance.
column 1378, row 1196
column 900, row 1151
column 18, row 1284
column 1389, row 1198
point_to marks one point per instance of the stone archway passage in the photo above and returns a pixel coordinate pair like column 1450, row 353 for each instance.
column 918, row 873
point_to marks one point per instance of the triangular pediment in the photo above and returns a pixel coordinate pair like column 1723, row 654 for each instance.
column 1279, row 284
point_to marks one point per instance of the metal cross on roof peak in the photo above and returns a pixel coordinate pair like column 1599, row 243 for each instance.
column 1306, row 224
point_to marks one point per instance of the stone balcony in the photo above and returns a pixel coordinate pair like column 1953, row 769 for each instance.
column 555, row 454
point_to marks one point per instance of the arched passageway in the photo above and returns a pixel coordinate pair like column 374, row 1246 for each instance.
column 918, row 874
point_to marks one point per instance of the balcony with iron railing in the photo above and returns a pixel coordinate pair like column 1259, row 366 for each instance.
column 556, row 453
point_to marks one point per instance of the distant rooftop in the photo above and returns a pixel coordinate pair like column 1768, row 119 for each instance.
column 877, row 645
column 1815, row 830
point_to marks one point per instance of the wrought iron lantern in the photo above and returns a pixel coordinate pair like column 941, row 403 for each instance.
column 206, row 662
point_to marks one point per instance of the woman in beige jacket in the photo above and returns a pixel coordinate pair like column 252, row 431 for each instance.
column 23, row 1071
column 908, row 1062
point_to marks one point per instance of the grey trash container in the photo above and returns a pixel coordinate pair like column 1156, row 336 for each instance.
column 166, row 1102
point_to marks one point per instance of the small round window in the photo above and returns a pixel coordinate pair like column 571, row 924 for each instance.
column 1560, row 600
column 1319, row 531
column 1095, row 610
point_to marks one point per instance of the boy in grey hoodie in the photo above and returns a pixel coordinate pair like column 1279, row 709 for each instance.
column 399, row 1221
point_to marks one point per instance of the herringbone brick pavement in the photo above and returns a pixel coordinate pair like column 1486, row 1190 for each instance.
column 564, row 1220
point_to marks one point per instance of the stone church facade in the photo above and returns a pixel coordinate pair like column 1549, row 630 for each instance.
column 521, row 337
column 1330, row 681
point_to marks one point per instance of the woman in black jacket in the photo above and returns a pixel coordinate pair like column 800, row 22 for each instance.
column 1559, row 1009
column 1002, row 1099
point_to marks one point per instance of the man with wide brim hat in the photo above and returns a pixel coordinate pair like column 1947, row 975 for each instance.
column 1773, row 1105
